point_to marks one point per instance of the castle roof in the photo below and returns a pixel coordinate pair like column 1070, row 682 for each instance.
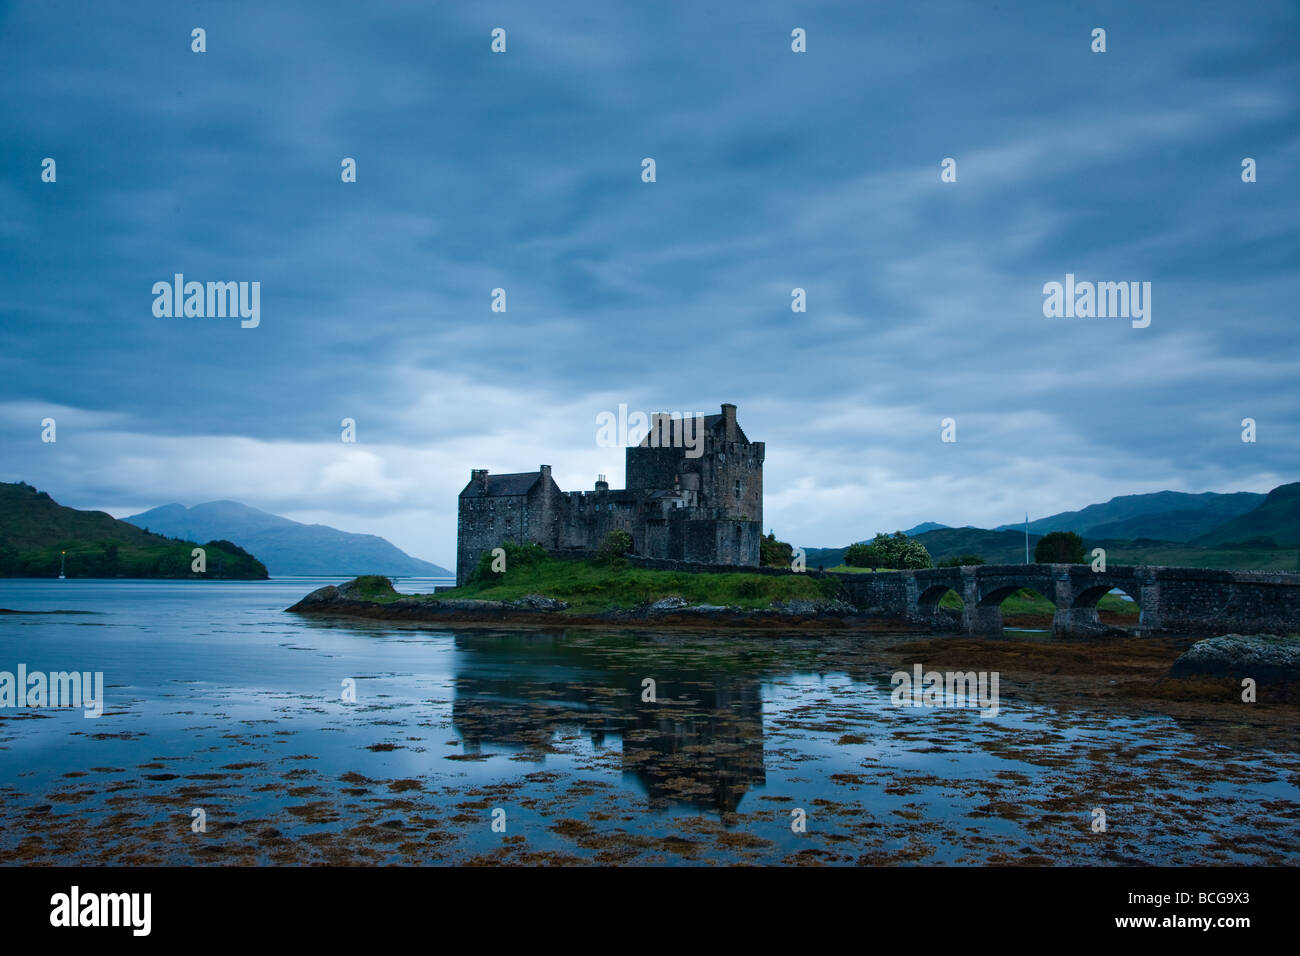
column 712, row 423
column 501, row 486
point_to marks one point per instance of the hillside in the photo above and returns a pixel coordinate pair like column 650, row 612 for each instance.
column 1277, row 517
column 1215, row 532
column 995, row 547
column 1164, row 515
column 1169, row 526
column 287, row 546
column 35, row 530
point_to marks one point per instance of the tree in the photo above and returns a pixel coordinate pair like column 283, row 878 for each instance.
column 958, row 562
column 1059, row 547
column 863, row 555
column 773, row 553
column 895, row 552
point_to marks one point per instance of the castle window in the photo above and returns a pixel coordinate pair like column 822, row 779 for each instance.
column 739, row 488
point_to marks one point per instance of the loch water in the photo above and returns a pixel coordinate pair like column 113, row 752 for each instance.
column 536, row 746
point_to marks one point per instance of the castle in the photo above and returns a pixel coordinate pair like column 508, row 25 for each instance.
column 694, row 493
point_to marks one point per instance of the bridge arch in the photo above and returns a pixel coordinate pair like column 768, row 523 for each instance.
column 996, row 595
column 1168, row 599
column 929, row 607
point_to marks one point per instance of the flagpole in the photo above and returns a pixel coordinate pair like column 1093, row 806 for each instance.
column 1026, row 537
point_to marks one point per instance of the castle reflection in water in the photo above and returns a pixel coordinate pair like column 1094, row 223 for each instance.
column 700, row 744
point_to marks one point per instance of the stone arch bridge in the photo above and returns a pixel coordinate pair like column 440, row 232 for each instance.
column 1170, row 600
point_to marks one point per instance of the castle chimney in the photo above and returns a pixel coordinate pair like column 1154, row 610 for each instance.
column 661, row 430
column 545, row 471
column 601, row 483
column 729, row 420
column 478, row 475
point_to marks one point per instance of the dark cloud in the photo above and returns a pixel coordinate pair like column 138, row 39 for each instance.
column 522, row 171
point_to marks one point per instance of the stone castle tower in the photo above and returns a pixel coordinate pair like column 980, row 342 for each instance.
column 694, row 493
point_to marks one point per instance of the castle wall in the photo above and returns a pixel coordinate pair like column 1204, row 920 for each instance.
column 707, row 509
column 485, row 522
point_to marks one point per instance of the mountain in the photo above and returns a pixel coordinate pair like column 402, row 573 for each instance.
column 1181, row 526
column 38, row 535
column 288, row 547
column 1277, row 517
column 1243, row 531
column 1163, row 515
column 923, row 527
column 995, row 547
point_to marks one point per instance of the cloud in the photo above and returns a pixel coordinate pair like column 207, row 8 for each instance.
column 522, row 171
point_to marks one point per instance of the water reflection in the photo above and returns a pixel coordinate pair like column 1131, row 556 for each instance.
column 699, row 743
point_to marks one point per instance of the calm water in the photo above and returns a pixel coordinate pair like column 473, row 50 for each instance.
column 217, row 700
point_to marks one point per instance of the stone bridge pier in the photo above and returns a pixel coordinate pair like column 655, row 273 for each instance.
column 1169, row 600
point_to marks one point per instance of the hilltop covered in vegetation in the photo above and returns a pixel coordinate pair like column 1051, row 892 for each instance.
column 37, row 535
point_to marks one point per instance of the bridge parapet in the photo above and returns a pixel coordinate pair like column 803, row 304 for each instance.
column 1170, row 599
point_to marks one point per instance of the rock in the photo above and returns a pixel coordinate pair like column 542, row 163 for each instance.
column 464, row 604
column 538, row 602
column 365, row 588
column 804, row 607
column 326, row 595
column 670, row 603
column 1266, row 658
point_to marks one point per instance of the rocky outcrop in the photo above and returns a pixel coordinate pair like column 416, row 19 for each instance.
column 374, row 597
column 802, row 607
column 1265, row 658
column 538, row 602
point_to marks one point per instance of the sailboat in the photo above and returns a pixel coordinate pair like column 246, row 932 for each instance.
column 62, row 561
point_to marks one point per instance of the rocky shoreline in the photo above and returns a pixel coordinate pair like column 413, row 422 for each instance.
column 348, row 600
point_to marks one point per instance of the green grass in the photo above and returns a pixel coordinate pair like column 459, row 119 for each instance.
column 588, row 586
column 1025, row 601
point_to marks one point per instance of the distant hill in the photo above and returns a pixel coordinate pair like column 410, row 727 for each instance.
column 923, row 527
column 995, row 547
column 35, row 530
column 1242, row 531
column 288, row 547
column 815, row 558
column 1276, row 518
column 1179, row 526
column 1165, row 515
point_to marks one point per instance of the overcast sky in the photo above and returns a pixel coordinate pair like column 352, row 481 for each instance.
column 523, row 171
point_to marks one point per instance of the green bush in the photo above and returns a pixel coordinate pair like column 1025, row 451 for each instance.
column 517, row 556
column 773, row 553
column 614, row 545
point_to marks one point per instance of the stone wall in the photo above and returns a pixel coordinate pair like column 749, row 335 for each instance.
column 706, row 510
column 668, row 564
column 1190, row 601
